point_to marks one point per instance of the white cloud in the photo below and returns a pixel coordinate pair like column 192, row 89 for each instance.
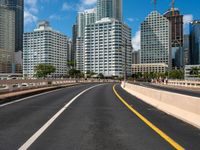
column 136, row 40
column 66, row 6
column 55, row 17
column 89, row 2
column 30, row 12
column 130, row 19
column 29, row 18
column 187, row 18
column 85, row 4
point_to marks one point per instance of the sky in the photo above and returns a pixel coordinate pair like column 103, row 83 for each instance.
column 62, row 13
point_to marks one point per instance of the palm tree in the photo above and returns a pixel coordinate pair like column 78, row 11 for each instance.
column 195, row 71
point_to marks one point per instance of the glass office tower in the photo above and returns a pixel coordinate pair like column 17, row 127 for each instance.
column 18, row 7
column 195, row 42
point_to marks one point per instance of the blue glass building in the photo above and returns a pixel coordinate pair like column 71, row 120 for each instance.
column 195, row 42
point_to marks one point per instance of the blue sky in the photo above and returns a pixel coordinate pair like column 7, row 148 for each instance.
column 62, row 13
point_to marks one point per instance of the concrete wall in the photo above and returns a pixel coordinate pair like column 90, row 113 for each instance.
column 186, row 108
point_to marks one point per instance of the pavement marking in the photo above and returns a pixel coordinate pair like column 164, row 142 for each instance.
column 36, row 135
column 147, row 122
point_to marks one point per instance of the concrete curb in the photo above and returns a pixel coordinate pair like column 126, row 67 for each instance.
column 174, row 104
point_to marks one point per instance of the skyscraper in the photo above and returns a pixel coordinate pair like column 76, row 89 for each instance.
column 176, row 22
column 47, row 46
column 155, row 39
column 195, row 42
column 83, row 19
column 18, row 7
column 109, row 9
column 7, row 39
column 107, row 48
column 74, row 38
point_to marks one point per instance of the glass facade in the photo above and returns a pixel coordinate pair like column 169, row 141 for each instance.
column 109, row 9
column 195, row 42
column 18, row 7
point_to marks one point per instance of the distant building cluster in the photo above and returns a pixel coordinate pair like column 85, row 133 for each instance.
column 164, row 44
column 103, row 43
column 100, row 43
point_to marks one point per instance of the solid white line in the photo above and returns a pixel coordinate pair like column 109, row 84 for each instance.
column 19, row 100
column 35, row 136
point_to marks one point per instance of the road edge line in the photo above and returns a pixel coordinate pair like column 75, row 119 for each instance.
column 147, row 122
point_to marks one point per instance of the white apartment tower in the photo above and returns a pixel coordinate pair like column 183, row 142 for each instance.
column 84, row 18
column 45, row 46
column 108, row 48
column 155, row 39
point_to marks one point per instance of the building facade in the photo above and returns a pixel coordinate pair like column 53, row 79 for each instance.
column 7, row 40
column 74, row 38
column 136, row 57
column 108, row 48
column 195, row 42
column 18, row 7
column 149, row 68
column 176, row 22
column 45, row 46
column 109, row 9
column 155, row 39
column 84, row 18
column 186, row 49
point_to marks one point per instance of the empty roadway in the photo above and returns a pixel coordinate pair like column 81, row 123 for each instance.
column 96, row 120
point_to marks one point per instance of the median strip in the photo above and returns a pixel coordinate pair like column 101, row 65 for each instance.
column 147, row 122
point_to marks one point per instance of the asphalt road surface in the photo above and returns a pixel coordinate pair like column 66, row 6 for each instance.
column 91, row 117
column 188, row 92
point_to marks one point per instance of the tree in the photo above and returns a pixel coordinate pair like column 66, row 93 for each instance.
column 43, row 70
column 176, row 74
column 73, row 73
column 195, row 71
column 90, row 74
column 101, row 76
column 71, row 64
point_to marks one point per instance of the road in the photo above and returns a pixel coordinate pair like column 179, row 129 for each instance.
column 91, row 117
column 189, row 92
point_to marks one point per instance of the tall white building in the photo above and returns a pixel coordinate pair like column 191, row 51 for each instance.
column 45, row 46
column 109, row 9
column 155, row 39
column 84, row 18
column 107, row 48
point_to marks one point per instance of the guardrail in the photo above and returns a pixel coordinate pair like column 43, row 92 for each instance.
column 184, row 83
column 17, row 85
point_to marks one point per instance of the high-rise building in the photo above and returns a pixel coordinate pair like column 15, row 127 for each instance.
column 155, row 39
column 18, row 7
column 109, row 9
column 74, row 38
column 45, row 46
column 186, row 49
column 107, row 48
column 84, row 18
column 195, row 42
column 136, row 57
column 176, row 22
column 7, row 39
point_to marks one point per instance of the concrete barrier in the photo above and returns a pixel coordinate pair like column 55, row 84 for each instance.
column 183, row 107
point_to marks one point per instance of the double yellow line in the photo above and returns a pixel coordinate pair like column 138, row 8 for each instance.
column 147, row 122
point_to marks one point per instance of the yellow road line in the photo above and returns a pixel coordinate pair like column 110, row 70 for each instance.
column 147, row 122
